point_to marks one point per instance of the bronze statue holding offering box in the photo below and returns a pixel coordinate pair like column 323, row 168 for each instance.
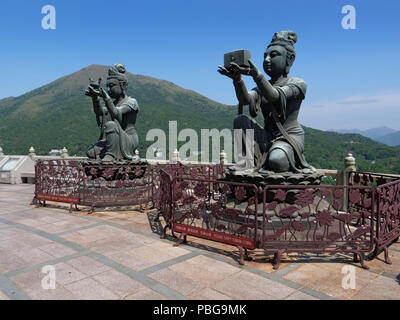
column 281, row 140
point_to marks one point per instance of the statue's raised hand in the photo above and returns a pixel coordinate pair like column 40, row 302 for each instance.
column 91, row 92
column 229, row 73
column 251, row 71
column 254, row 72
column 104, row 94
column 93, row 88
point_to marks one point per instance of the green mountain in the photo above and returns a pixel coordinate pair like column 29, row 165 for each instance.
column 59, row 114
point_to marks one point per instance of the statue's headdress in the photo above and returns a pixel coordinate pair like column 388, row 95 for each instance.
column 118, row 72
column 286, row 39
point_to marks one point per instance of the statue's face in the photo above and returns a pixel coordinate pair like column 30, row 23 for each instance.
column 275, row 61
column 114, row 88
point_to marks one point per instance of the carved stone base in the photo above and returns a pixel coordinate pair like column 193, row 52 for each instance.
column 96, row 168
column 264, row 178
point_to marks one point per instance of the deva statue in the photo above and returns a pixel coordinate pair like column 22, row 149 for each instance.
column 281, row 141
column 118, row 138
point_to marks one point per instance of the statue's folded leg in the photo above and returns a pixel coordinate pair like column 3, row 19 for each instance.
column 113, row 150
column 260, row 136
column 97, row 150
column 281, row 157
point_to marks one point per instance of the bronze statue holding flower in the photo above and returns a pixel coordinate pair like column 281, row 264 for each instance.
column 117, row 118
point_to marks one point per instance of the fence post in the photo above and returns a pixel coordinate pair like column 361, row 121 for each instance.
column 64, row 152
column 175, row 156
column 349, row 166
column 222, row 158
column 32, row 153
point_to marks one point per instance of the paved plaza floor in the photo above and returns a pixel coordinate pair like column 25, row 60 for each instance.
column 115, row 253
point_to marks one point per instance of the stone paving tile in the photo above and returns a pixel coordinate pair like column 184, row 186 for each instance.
column 104, row 246
column 267, row 286
column 57, row 250
column 204, row 270
column 379, row 262
column 34, row 240
column 12, row 233
column 103, row 215
column 327, row 278
column 146, row 294
column 33, row 256
column 11, row 262
column 89, row 289
column 139, row 238
column 239, row 291
column 31, row 283
column 66, row 274
column 298, row 295
column 74, row 237
column 48, row 218
column 12, row 208
column 52, row 228
column 262, row 261
column 213, row 265
column 201, row 277
column 12, row 245
column 156, row 253
column 3, row 296
column 88, row 265
column 336, row 269
column 395, row 245
column 209, row 294
column 125, row 240
column 382, row 288
column 31, row 222
column 121, row 219
column 119, row 283
column 176, row 281
column 144, row 227
column 125, row 244
column 60, row 293
column 130, row 260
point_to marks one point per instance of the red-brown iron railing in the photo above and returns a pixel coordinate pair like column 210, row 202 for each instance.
column 292, row 218
column 195, row 200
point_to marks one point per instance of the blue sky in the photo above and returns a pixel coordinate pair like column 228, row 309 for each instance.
column 352, row 75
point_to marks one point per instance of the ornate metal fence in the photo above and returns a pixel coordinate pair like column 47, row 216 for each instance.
column 196, row 200
column 94, row 185
column 58, row 180
column 99, row 185
column 215, row 210
column 388, row 217
column 281, row 219
column 387, row 208
column 308, row 219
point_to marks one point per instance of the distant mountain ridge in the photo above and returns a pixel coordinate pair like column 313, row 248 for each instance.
column 384, row 135
column 391, row 139
column 59, row 114
column 373, row 133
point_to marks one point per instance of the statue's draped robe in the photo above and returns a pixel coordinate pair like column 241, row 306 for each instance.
column 121, row 138
column 291, row 94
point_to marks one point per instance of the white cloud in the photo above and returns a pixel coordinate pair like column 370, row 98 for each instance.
column 359, row 111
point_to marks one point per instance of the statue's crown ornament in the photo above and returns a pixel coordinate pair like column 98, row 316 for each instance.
column 284, row 38
column 117, row 72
